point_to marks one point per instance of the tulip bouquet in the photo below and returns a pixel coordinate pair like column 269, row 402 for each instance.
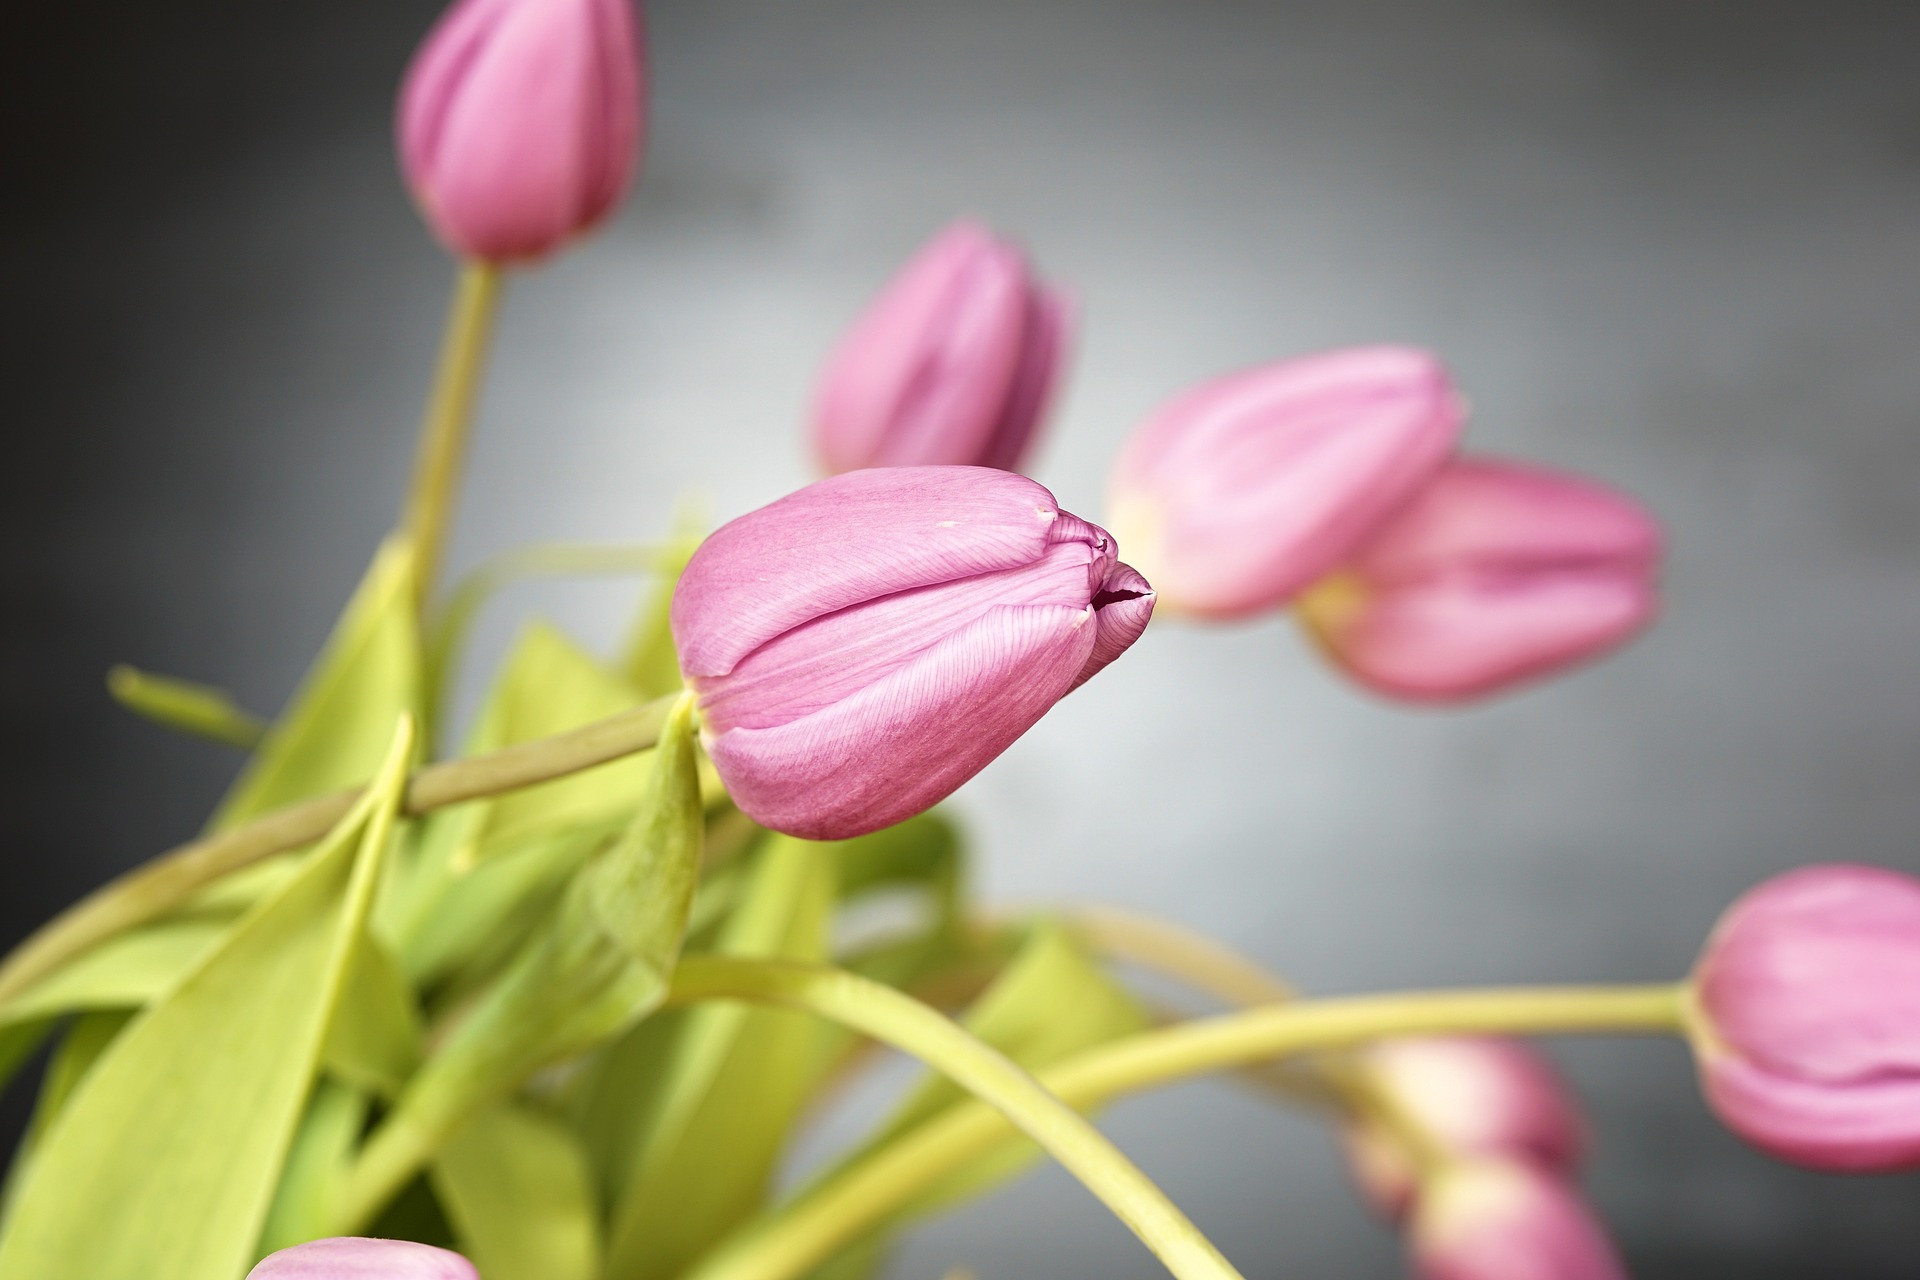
column 551, row 1004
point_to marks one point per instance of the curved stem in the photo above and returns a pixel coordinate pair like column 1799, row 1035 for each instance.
column 158, row 886
column 443, row 435
column 810, row 1229
column 908, row 1025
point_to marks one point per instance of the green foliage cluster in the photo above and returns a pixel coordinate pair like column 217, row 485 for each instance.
column 454, row 1027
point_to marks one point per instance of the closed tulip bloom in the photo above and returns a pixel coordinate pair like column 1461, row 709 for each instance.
column 862, row 647
column 1508, row 1220
column 1236, row 496
column 954, row 362
column 1472, row 1097
column 520, row 122
column 1808, row 1018
column 356, row 1258
column 1496, row 574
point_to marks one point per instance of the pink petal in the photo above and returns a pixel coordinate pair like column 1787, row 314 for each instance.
column 846, row 540
column 904, row 743
column 1122, row 607
column 1863, row 1126
column 1500, row 1220
column 359, row 1258
column 1043, row 349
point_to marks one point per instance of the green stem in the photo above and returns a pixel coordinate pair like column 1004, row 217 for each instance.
column 812, row 1228
column 158, row 886
column 908, row 1025
column 443, row 435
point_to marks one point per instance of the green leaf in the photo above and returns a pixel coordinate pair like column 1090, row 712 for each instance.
column 316, row 1166
column 547, row 686
column 127, row 971
column 161, row 1165
column 181, row 704
column 704, row 1102
column 335, row 732
column 17, row 1043
column 86, row 1039
column 1050, row 1003
column 515, row 1184
column 650, row 663
column 375, row 1039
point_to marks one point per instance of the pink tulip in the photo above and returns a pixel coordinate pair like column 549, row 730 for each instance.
column 357, row 1258
column 1473, row 1097
column 1508, row 1220
column 862, row 647
column 1808, row 1027
column 1237, row 495
column 1497, row 573
column 520, row 122
column 953, row 363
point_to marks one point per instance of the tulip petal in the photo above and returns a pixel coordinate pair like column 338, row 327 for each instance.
column 846, row 540
column 1507, row 1220
column 1122, row 607
column 1861, row 1126
column 359, row 1258
column 1042, row 350
column 904, row 743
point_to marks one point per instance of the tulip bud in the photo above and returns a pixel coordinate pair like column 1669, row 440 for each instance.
column 1507, row 1220
column 1807, row 1025
column 1473, row 1097
column 520, row 122
column 357, row 1258
column 1237, row 495
column 1497, row 573
column 862, row 647
column 953, row 363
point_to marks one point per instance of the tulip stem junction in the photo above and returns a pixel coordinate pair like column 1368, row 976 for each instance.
column 156, row 887
column 1016, row 1099
column 811, row 1228
column 443, row 434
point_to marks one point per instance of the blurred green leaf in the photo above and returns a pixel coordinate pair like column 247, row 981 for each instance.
column 649, row 662
column 192, row 708
column 702, row 1102
column 315, row 1167
column 335, row 732
column 1050, row 1003
column 162, row 1164
column 374, row 1041
column 130, row 970
column 515, row 1184
column 86, row 1038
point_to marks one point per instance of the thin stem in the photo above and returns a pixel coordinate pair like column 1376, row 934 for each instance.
column 908, row 1025
column 818, row 1223
column 156, row 887
column 443, row 434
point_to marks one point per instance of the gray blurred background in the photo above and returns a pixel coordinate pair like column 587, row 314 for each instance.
column 1676, row 245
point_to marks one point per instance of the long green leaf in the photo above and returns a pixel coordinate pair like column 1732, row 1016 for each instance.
column 162, row 1164
column 336, row 730
column 515, row 1183
column 316, row 1165
column 715, row 1090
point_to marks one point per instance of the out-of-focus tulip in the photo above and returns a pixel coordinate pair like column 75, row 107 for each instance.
column 358, row 1258
column 953, row 363
column 1507, row 1220
column 862, row 647
column 1497, row 573
column 1237, row 495
column 520, row 122
column 1472, row 1097
column 1808, row 1018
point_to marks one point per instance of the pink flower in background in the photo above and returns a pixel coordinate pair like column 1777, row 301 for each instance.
column 520, row 122
column 1497, row 573
column 954, row 362
column 357, row 1258
column 1239, row 494
column 864, row 646
column 1507, row 1220
column 1808, row 1033
column 1473, row 1097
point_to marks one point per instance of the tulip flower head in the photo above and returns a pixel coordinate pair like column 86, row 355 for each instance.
column 1239, row 494
column 357, row 1258
column 862, row 647
column 1496, row 574
column 953, row 364
column 1473, row 1097
column 1507, row 1220
column 520, row 122
column 1807, row 1026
